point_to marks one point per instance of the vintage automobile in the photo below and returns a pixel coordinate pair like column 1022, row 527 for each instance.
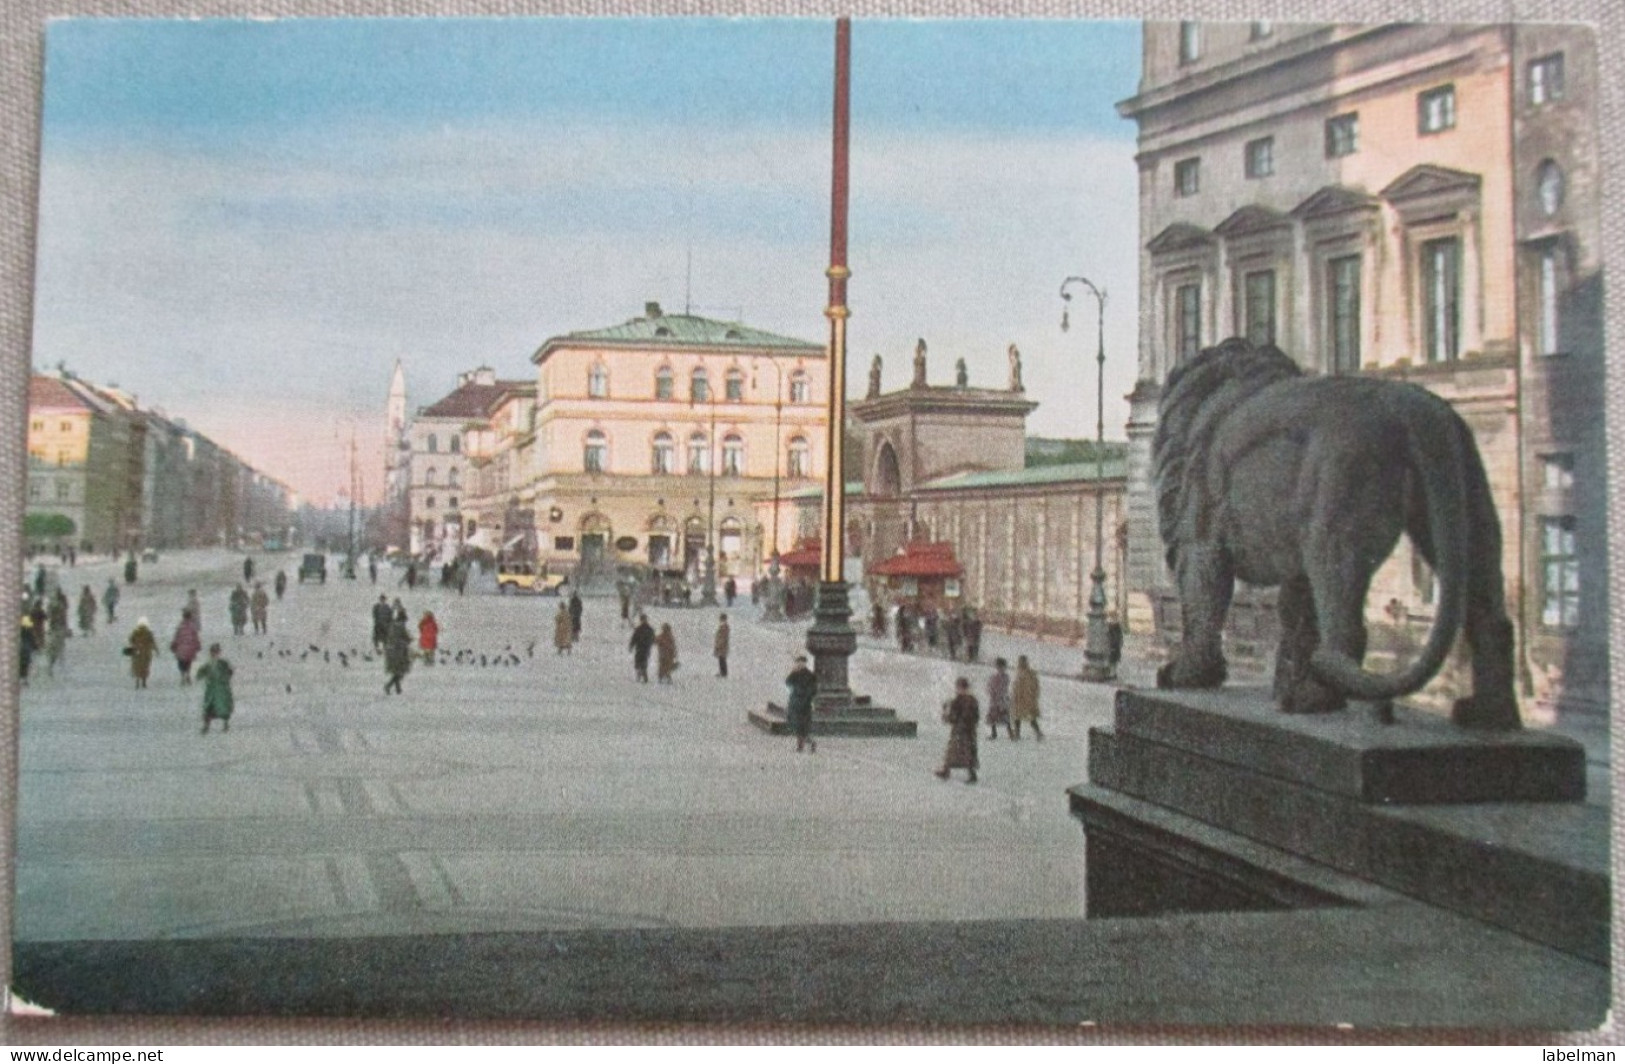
column 527, row 576
column 313, row 567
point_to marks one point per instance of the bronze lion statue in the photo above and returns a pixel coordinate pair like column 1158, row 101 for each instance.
column 1303, row 482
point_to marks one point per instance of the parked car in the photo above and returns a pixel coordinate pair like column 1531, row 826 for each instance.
column 527, row 576
column 313, row 567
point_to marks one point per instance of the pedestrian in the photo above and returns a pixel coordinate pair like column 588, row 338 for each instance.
column 143, row 645
column 237, row 607
column 411, row 577
column 952, row 631
column 877, row 620
column 26, row 644
column 643, row 638
column 398, row 614
column 372, row 568
column 973, row 635
column 397, row 656
column 217, row 700
column 575, row 615
column 110, row 599
column 962, row 715
column 931, row 628
column 563, row 630
column 428, row 636
column 130, row 568
column 56, row 636
column 1114, row 639
column 905, row 629
column 382, row 617
column 719, row 647
column 39, row 581
column 87, row 610
column 185, row 645
column 730, row 591
column 258, row 608
column 623, row 591
column 998, row 700
column 665, row 654
column 803, row 684
column 462, row 575
column 280, row 584
column 1024, row 699
column 248, row 570
column 195, row 608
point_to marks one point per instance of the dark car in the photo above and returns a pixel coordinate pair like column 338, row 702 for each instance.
column 313, row 567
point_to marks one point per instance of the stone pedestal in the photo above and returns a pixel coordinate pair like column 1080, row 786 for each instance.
column 1213, row 800
column 836, row 710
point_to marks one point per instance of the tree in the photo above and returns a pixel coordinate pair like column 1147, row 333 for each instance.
column 48, row 526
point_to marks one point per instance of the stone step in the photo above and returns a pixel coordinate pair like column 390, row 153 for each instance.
column 1535, row 868
column 1421, row 758
column 859, row 722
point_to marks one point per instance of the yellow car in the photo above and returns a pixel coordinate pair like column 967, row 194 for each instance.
column 524, row 576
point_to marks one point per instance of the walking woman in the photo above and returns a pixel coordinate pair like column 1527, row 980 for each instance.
column 563, row 630
column 1024, row 699
column 998, row 700
column 142, row 647
column 961, row 715
column 217, row 700
column 185, row 645
column 397, row 656
column 665, row 654
column 428, row 636
column 803, row 684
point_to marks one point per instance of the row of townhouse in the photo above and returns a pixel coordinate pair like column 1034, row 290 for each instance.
column 125, row 477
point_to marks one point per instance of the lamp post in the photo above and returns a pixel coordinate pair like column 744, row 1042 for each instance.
column 708, row 596
column 775, row 608
column 1097, row 660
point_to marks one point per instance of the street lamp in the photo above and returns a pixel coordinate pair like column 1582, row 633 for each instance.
column 775, row 608
column 1097, row 659
column 708, row 595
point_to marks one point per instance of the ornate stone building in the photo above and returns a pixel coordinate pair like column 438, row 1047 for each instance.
column 1417, row 201
column 440, row 464
column 633, row 420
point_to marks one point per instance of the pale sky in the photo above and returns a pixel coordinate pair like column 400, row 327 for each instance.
column 246, row 223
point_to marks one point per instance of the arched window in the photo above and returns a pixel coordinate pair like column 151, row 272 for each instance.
column 429, row 477
column 664, row 457
column 699, row 455
column 431, row 444
column 428, row 504
column 734, row 386
column 699, row 386
column 798, row 387
column 456, row 444
column 451, row 477
column 663, row 383
column 799, row 462
column 733, row 455
column 598, row 381
column 451, row 503
column 595, row 453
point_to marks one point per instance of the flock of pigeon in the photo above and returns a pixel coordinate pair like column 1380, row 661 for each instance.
column 507, row 657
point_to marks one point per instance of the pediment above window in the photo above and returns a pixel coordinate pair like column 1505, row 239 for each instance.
column 1252, row 219
column 1335, row 200
column 1180, row 236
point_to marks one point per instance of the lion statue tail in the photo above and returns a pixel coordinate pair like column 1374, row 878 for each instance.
column 1438, row 458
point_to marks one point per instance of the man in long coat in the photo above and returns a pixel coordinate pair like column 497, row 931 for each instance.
column 962, row 716
column 397, row 656
column 382, row 618
column 218, row 703
column 665, row 654
column 564, row 637
column 237, row 607
column 110, row 599
column 87, row 611
column 1024, row 699
column 643, row 640
column 258, row 606
column 575, row 616
column 803, row 684
column 142, row 647
column 719, row 647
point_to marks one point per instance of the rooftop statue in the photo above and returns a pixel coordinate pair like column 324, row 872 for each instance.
column 1015, row 369
column 961, row 375
column 874, row 378
column 1302, row 482
column 919, row 364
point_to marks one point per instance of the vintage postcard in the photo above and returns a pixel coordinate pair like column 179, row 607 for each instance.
column 798, row 520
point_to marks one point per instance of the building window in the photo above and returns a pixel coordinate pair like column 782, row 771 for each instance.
column 428, row 477
column 1343, row 312
column 37, row 426
column 699, row 455
column 66, row 426
column 64, row 490
column 1262, row 30
column 598, row 381
column 664, row 459
column 1188, row 321
column 799, row 390
column 1549, row 187
column 452, row 502
column 1560, row 573
column 799, row 464
column 428, row 503
column 451, row 477
column 733, row 456
column 1546, row 79
column 1187, row 177
column 1548, row 310
column 1260, row 157
column 564, row 543
column 34, row 491
column 699, row 386
column 733, row 386
column 1436, row 110
column 1441, row 298
column 1190, row 42
column 1557, row 471
column 455, row 444
column 595, row 454
column 1342, row 135
column 432, row 444
column 1259, row 290
column 663, row 383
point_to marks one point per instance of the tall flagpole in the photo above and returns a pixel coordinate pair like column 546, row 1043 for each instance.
column 831, row 639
